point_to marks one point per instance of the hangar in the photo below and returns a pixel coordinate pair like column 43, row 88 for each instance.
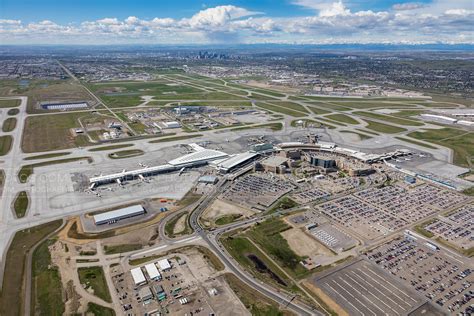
column 138, row 276
column 116, row 215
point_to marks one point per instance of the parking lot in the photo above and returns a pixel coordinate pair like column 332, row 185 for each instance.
column 367, row 221
column 456, row 228
column 435, row 274
column 309, row 195
column 411, row 204
column 362, row 288
column 257, row 190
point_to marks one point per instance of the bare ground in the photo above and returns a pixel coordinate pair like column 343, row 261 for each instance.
column 304, row 245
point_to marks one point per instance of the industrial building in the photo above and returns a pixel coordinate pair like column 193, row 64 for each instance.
column 116, row 215
column 235, row 161
column 208, row 179
column 152, row 272
column 64, row 106
column 164, row 265
column 145, row 293
column 138, row 276
column 275, row 164
column 172, row 124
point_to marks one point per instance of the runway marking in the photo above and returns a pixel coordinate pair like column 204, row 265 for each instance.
column 396, row 288
column 375, row 305
column 345, row 299
column 337, row 293
column 388, row 298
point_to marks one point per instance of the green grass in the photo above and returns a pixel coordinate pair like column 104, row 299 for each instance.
column 279, row 109
column 384, row 128
column 228, row 103
column 290, row 105
column 20, row 205
column 227, row 219
column 318, row 111
column 12, row 295
column 362, row 136
column 99, row 310
column 254, row 301
column 126, row 153
column 53, row 132
column 420, row 230
column 273, row 126
column 283, row 203
column 269, row 92
column 329, row 106
column 239, row 247
column 461, row 142
column 175, row 138
column 110, row 250
column 267, row 236
column 9, row 125
column 469, row 191
column 170, row 225
column 27, row 170
column 371, row 104
column 388, row 118
column 5, row 144
column 93, row 277
column 331, row 121
column 9, row 103
column 13, row 112
column 111, row 147
column 306, row 123
column 46, row 286
column 342, row 118
column 367, row 131
column 408, row 140
column 47, row 156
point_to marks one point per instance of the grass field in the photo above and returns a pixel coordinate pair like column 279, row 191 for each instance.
column 52, row 132
column 9, row 125
column 219, row 103
column 111, row 147
column 370, row 104
column 318, row 111
column 27, row 170
column 126, row 153
column 461, row 142
column 93, row 277
column 174, row 138
column 12, row 294
column 389, row 118
column 409, row 140
column 362, row 136
column 109, row 250
column 170, row 225
column 99, row 310
column 256, row 303
column 9, row 103
column 20, row 205
column 55, row 91
column 5, row 144
column 383, row 128
column 267, row 236
column 13, row 112
column 273, row 126
column 46, row 287
column 342, row 118
column 279, row 109
column 329, row 106
column 227, row 219
column 47, row 156
column 290, row 105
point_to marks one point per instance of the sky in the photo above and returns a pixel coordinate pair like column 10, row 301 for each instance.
column 233, row 22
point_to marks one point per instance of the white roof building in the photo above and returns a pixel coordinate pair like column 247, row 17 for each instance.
column 152, row 271
column 164, row 265
column 202, row 156
column 138, row 276
column 119, row 214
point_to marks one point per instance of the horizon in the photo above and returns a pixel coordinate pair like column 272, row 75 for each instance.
column 290, row 22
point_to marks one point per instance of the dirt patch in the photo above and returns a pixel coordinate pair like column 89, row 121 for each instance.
column 220, row 208
column 304, row 245
column 180, row 224
column 326, row 299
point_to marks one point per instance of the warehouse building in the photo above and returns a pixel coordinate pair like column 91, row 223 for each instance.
column 145, row 294
column 164, row 265
column 64, row 106
column 152, row 272
column 117, row 215
column 138, row 276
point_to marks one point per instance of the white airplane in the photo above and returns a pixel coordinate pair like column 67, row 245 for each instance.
column 181, row 171
column 118, row 181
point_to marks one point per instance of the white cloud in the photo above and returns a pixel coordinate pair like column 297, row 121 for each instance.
column 332, row 23
column 408, row 6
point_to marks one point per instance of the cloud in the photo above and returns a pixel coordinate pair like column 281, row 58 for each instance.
column 332, row 22
column 407, row 6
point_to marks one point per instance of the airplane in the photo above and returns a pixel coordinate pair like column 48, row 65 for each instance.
column 181, row 171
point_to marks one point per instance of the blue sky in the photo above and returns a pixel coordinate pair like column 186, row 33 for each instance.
column 263, row 21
